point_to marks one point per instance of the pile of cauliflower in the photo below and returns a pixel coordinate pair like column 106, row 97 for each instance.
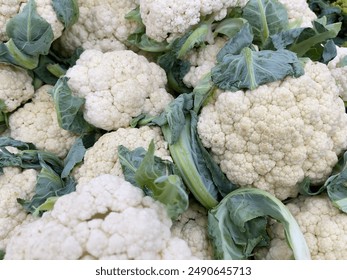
column 270, row 138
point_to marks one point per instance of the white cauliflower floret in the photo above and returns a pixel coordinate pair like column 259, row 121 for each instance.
column 101, row 25
column 10, row 8
column 299, row 12
column 339, row 72
column 36, row 122
column 117, row 86
column 102, row 158
column 14, row 183
column 105, row 218
column 323, row 225
column 202, row 61
column 16, row 86
column 191, row 226
column 173, row 18
column 274, row 136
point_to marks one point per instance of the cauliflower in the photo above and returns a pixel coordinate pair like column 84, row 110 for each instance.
column 117, row 86
column 15, row 87
column 36, row 122
column 202, row 61
column 299, row 12
column 191, row 226
column 106, row 218
column 323, row 225
column 340, row 72
column 101, row 25
column 172, row 19
column 274, row 136
column 14, row 183
column 9, row 9
column 102, row 158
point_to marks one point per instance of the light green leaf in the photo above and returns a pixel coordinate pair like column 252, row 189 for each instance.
column 67, row 11
column 230, row 26
column 343, row 62
column 267, row 17
column 10, row 54
column 74, row 156
column 238, row 224
column 46, row 206
column 30, row 32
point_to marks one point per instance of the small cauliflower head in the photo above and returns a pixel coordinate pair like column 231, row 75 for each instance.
column 117, row 86
column 276, row 135
column 101, row 25
column 105, row 218
column 299, row 12
column 324, row 228
column 338, row 69
column 15, row 87
column 191, row 226
column 10, row 8
column 36, row 122
column 102, row 158
column 14, row 183
column 202, row 61
column 165, row 20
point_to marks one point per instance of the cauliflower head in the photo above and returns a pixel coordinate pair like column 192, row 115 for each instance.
column 102, row 158
column 101, row 25
column 299, row 12
column 105, row 218
column 191, row 226
column 339, row 71
column 9, row 9
column 323, row 225
column 15, row 183
column 274, row 136
column 36, row 122
column 16, row 86
column 170, row 19
column 117, row 86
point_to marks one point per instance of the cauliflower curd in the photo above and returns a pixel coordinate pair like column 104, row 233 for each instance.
column 274, row 136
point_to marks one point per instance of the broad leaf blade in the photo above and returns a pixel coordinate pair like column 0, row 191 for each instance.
column 267, row 17
column 74, row 156
column 251, row 69
column 234, row 222
column 69, row 108
column 67, row 11
column 30, row 32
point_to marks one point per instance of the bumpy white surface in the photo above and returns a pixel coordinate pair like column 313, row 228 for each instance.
column 339, row 72
column 106, row 218
column 102, row 158
column 14, row 183
column 274, row 136
column 36, row 122
column 15, row 86
column 117, row 86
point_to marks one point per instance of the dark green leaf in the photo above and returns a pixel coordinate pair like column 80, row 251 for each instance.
column 203, row 91
column 10, row 54
column 251, row 69
column 2, row 254
column 237, row 43
column 29, row 31
column 74, row 156
column 69, row 108
column 229, row 26
column 67, row 11
column 267, row 17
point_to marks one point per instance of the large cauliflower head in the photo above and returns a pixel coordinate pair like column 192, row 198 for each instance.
column 15, row 87
column 299, row 12
column 323, row 225
column 14, row 183
column 36, row 122
column 103, row 158
column 117, row 86
column 101, row 25
column 106, row 218
column 274, row 136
